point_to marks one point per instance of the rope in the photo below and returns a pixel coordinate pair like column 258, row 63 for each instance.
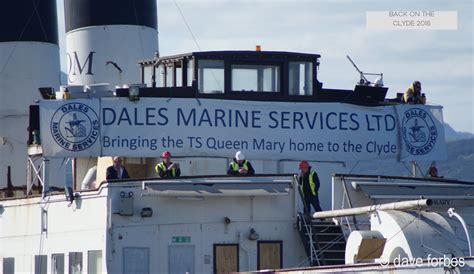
column 355, row 165
column 391, row 238
column 138, row 30
column 18, row 40
column 187, row 25
column 39, row 19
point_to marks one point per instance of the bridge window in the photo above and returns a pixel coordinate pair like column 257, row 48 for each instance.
column 160, row 76
column 169, row 71
column 57, row 263
column 190, row 74
column 178, row 69
column 250, row 78
column 8, row 265
column 148, row 75
column 211, row 76
column 41, row 264
column 75, row 262
column 301, row 78
column 94, row 261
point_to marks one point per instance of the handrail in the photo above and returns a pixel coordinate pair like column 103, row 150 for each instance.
column 401, row 178
column 307, row 227
column 309, row 231
column 421, row 203
column 300, row 191
column 452, row 213
column 354, row 219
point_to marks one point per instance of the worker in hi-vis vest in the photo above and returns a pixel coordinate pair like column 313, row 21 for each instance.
column 309, row 182
column 167, row 169
column 239, row 166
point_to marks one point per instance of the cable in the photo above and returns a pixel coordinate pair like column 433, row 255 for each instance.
column 138, row 28
column 420, row 170
column 355, row 165
column 388, row 240
column 330, row 244
column 187, row 25
column 39, row 19
column 16, row 43
column 409, row 171
column 198, row 46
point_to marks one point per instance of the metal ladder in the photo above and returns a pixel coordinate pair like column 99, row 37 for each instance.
column 331, row 242
column 306, row 234
column 324, row 241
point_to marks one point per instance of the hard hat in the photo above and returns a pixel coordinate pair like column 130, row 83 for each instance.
column 239, row 155
column 165, row 154
column 304, row 164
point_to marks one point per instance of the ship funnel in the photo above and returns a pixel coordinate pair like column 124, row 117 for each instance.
column 29, row 59
column 106, row 39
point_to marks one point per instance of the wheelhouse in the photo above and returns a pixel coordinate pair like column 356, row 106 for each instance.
column 244, row 75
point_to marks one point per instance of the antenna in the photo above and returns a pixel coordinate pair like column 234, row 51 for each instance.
column 363, row 80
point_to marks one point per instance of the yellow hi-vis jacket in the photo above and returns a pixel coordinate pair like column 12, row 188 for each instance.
column 162, row 166
column 312, row 185
column 235, row 166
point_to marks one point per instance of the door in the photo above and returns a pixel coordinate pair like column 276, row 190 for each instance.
column 226, row 258
column 181, row 259
column 269, row 255
column 136, row 260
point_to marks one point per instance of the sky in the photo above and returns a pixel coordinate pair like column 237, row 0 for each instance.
column 442, row 60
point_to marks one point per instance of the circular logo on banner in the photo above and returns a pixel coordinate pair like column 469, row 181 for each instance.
column 75, row 126
column 419, row 131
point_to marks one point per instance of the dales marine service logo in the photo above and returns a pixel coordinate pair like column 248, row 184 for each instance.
column 419, row 131
column 75, row 127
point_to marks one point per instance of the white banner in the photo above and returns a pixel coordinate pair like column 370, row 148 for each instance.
column 70, row 128
column 263, row 130
column 422, row 133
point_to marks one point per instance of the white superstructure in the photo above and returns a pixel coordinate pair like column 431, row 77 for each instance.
column 193, row 225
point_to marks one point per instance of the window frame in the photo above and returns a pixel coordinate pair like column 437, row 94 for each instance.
column 53, row 255
column 188, row 78
column 89, row 260
column 70, row 258
column 280, row 83
column 200, row 79
column 312, row 75
column 40, row 264
column 12, row 261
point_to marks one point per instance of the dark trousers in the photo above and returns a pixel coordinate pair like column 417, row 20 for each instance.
column 310, row 199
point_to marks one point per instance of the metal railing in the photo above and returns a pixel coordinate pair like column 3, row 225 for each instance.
column 308, row 230
column 349, row 203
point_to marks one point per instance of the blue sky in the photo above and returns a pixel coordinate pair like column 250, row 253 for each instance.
column 441, row 60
